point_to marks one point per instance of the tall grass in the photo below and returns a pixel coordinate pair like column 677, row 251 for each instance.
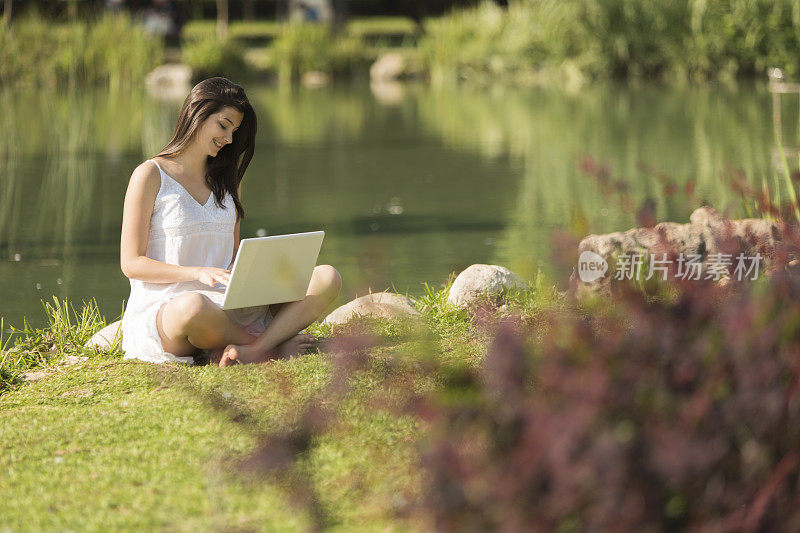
column 66, row 333
column 111, row 51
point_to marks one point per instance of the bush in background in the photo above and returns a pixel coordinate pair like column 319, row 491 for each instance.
column 672, row 39
column 207, row 56
column 112, row 51
column 301, row 48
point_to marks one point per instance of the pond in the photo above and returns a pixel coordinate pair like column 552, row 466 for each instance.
column 410, row 182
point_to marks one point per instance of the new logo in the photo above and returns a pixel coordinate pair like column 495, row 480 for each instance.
column 591, row 266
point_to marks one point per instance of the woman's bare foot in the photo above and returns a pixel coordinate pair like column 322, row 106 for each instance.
column 247, row 353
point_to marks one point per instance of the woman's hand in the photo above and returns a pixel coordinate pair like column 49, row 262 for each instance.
column 212, row 275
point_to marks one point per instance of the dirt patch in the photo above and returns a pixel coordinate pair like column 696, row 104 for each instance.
column 39, row 374
column 77, row 393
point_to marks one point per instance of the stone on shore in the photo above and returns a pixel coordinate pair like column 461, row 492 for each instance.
column 103, row 339
column 378, row 304
column 707, row 233
column 479, row 282
column 388, row 67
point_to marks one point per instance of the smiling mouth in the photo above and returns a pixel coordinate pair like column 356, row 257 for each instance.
column 218, row 145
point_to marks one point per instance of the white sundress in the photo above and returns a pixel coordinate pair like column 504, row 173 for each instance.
column 182, row 232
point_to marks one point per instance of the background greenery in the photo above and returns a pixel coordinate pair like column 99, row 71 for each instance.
column 675, row 40
column 110, row 51
column 529, row 41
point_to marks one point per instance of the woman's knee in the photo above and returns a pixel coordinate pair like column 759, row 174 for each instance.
column 185, row 309
column 328, row 280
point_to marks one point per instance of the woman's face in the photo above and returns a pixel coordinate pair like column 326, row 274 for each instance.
column 217, row 130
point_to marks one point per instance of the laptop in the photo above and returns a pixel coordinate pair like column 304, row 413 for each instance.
column 271, row 270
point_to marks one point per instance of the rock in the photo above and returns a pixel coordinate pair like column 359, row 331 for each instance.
column 708, row 232
column 378, row 304
column 171, row 81
column 390, row 66
column 673, row 237
column 714, row 229
column 103, row 339
column 477, row 282
column 315, row 79
column 760, row 236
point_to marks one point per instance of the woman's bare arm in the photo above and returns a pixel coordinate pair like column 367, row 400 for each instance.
column 139, row 201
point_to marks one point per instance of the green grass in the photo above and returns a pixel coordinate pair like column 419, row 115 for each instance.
column 109, row 444
column 67, row 332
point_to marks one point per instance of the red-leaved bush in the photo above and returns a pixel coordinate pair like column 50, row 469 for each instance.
column 666, row 414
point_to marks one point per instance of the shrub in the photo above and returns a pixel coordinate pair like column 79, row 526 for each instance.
column 111, row 51
column 654, row 415
column 207, row 56
column 672, row 39
column 301, row 48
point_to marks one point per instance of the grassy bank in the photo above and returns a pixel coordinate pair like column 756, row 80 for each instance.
column 546, row 413
column 104, row 443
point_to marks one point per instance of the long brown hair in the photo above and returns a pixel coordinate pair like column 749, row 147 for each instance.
column 225, row 171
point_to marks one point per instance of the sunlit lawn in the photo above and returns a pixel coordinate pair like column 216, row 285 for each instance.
column 109, row 444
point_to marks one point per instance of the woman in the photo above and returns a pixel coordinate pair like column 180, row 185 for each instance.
column 180, row 234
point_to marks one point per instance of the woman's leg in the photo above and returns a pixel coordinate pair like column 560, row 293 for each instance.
column 191, row 321
column 290, row 319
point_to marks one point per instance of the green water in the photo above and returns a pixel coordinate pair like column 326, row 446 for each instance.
column 409, row 182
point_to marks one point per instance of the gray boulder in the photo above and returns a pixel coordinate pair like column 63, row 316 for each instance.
column 478, row 282
column 386, row 305
column 103, row 339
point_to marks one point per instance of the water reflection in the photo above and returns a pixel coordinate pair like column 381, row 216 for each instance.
column 409, row 182
column 701, row 134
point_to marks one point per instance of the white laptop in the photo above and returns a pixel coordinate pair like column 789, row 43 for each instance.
column 271, row 270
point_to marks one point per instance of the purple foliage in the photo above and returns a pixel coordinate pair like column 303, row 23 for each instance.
column 682, row 413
